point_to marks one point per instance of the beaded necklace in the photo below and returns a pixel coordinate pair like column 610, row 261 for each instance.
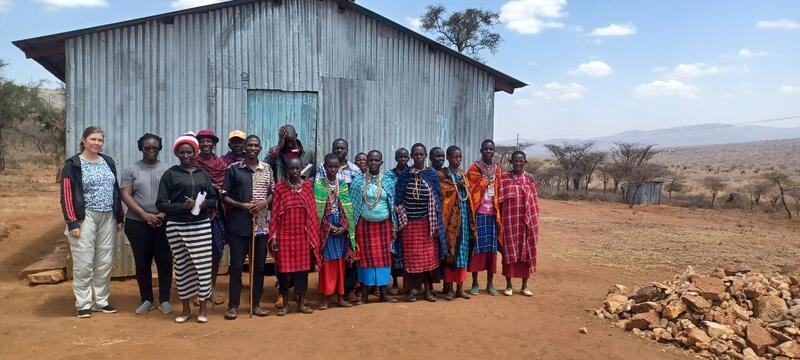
column 365, row 193
column 456, row 183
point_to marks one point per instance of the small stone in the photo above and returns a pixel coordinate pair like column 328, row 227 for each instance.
column 662, row 334
column 735, row 270
column 734, row 355
column 699, row 337
column 790, row 349
column 749, row 354
column 718, row 347
column 710, row 288
column 697, row 303
column 779, row 335
column 740, row 312
column 673, row 310
column 758, row 338
column 583, row 330
column 769, row 308
column 793, row 331
column 643, row 321
column 616, row 303
column 716, row 330
column 795, row 310
column 780, row 324
column 47, row 277
column 618, row 289
column 648, row 293
column 646, row 306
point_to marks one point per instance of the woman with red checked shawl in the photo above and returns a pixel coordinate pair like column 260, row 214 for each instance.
column 519, row 208
column 294, row 235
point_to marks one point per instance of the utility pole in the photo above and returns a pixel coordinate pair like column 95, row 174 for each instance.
column 517, row 141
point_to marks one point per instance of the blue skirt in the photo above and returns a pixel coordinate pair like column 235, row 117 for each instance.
column 375, row 276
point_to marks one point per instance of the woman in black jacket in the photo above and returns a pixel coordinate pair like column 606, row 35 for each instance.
column 188, row 229
column 92, row 211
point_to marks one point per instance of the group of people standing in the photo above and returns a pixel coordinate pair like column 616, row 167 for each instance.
column 361, row 228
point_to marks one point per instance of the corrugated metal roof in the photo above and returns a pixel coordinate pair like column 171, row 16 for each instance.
column 50, row 51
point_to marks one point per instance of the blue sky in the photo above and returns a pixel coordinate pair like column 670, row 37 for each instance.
column 595, row 67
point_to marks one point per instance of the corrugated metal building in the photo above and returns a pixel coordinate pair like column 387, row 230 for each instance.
column 330, row 67
column 644, row 193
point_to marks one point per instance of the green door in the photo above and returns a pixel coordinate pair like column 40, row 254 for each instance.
column 268, row 110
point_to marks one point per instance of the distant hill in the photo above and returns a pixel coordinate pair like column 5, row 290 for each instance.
column 682, row 136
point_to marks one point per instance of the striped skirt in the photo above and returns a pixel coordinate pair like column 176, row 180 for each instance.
column 420, row 249
column 191, row 246
column 374, row 239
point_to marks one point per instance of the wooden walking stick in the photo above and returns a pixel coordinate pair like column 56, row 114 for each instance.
column 252, row 259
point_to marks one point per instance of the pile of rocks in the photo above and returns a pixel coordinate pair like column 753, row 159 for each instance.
column 728, row 314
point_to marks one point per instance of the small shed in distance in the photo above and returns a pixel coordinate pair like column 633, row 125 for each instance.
column 644, row 192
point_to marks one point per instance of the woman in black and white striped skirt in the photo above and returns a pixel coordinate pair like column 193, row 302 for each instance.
column 188, row 230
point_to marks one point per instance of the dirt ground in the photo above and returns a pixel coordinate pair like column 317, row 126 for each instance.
column 585, row 248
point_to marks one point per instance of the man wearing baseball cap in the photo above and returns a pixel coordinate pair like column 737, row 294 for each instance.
column 236, row 146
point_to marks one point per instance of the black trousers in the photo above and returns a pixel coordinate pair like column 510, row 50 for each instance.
column 150, row 243
column 240, row 246
column 350, row 277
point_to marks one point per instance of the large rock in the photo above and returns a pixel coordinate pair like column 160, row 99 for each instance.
column 696, row 302
column 673, row 310
column 769, row 308
column 646, row 306
column 790, row 349
column 710, row 287
column 643, row 321
column 616, row 303
column 716, row 330
column 740, row 312
column 47, row 277
column 749, row 354
column 795, row 311
column 648, row 293
column 618, row 289
column 759, row 338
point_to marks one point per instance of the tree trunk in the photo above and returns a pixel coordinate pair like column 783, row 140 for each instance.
column 713, row 197
column 783, row 200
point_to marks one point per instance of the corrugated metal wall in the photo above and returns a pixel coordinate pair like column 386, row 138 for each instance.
column 378, row 87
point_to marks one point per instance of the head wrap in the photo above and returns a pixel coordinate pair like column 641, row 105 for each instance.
column 189, row 139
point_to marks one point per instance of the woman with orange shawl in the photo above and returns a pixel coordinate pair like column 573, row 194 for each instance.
column 458, row 224
column 484, row 186
column 520, row 213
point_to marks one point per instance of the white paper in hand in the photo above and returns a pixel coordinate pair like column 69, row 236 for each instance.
column 201, row 196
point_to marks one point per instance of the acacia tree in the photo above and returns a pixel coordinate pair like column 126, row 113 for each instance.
column 755, row 190
column 569, row 158
column 714, row 185
column 589, row 163
column 468, row 32
column 784, row 184
column 675, row 184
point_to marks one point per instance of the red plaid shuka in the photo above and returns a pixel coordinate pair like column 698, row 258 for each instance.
column 420, row 249
column 295, row 227
column 374, row 240
column 520, row 217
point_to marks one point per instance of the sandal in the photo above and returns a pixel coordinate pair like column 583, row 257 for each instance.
column 527, row 292
column 305, row 309
column 182, row 318
column 474, row 290
column 282, row 311
column 394, row 290
column 323, row 306
column 508, row 292
column 260, row 312
column 232, row 314
column 344, row 304
column 388, row 299
column 430, row 298
column 464, row 295
column 492, row 291
column 449, row 296
column 411, row 298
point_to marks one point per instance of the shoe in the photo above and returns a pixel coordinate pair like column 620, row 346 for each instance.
column 165, row 307
column 394, row 290
column 527, row 292
column 232, row 314
column 474, row 290
column 202, row 319
column 85, row 313
column 108, row 309
column 182, row 318
column 493, row 292
column 508, row 292
column 145, row 308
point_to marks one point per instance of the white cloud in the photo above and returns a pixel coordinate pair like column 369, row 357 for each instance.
column 789, row 89
column 73, row 3
column 615, row 30
column 779, row 24
column 414, row 23
column 594, row 68
column 532, row 16
column 6, row 5
column 185, row 4
column 667, row 88
column 747, row 53
column 695, row 70
column 568, row 91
